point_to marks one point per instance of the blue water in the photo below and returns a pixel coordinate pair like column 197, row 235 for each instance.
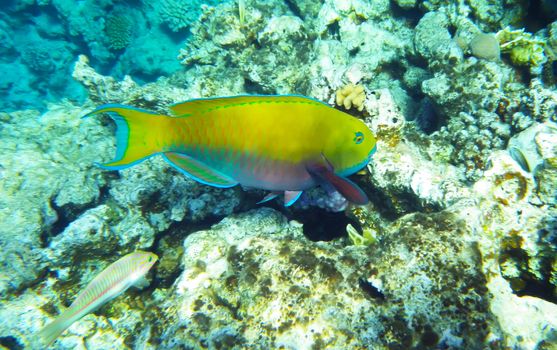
column 456, row 248
column 40, row 41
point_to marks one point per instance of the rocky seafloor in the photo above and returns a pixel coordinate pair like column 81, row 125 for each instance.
column 456, row 250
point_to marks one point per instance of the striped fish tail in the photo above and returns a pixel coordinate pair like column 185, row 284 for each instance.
column 139, row 134
column 51, row 331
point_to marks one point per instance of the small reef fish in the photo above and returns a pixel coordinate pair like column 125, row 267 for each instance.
column 286, row 143
column 107, row 285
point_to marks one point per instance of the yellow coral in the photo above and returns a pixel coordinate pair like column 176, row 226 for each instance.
column 367, row 238
column 351, row 96
column 524, row 49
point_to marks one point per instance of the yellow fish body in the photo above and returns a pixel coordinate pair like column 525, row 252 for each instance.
column 280, row 143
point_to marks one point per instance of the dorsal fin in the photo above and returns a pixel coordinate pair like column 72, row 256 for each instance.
column 201, row 105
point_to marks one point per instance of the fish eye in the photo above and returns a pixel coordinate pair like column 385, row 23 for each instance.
column 359, row 137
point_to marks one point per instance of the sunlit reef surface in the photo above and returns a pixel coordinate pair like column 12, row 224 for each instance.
column 456, row 250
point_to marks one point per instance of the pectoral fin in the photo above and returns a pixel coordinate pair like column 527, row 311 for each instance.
column 290, row 197
column 141, row 283
column 268, row 197
column 323, row 172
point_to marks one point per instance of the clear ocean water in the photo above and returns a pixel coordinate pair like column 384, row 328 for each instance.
column 242, row 174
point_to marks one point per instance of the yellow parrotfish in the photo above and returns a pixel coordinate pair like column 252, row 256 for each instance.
column 107, row 285
column 284, row 143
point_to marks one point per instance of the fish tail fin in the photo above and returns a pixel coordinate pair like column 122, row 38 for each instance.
column 51, row 331
column 139, row 134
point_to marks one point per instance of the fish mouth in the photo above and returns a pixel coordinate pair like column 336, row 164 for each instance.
column 359, row 166
column 354, row 169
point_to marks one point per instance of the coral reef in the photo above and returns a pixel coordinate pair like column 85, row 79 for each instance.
column 44, row 183
column 313, row 294
column 106, row 89
column 433, row 40
column 456, row 248
column 490, row 15
column 406, row 4
column 221, row 46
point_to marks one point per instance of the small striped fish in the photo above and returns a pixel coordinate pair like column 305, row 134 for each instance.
column 107, row 285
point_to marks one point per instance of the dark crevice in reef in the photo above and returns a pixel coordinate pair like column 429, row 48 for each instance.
column 538, row 289
column 417, row 61
column 353, row 52
column 293, row 7
column 252, row 87
column 67, row 213
column 513, row 253
column 406, row 203
column 333, row 30
column 539, row 14
column 11, row 343
column 428, row 117
column 396, row 70
column 322, row 225
column 412, row 15
column 370, row 290
column 318, row 224
column 452, row 29
column 168, row 245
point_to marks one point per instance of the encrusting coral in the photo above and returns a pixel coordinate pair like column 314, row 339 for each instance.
column 524, row 48
column 118, row 30
column 314, row 294
column 177, row 14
